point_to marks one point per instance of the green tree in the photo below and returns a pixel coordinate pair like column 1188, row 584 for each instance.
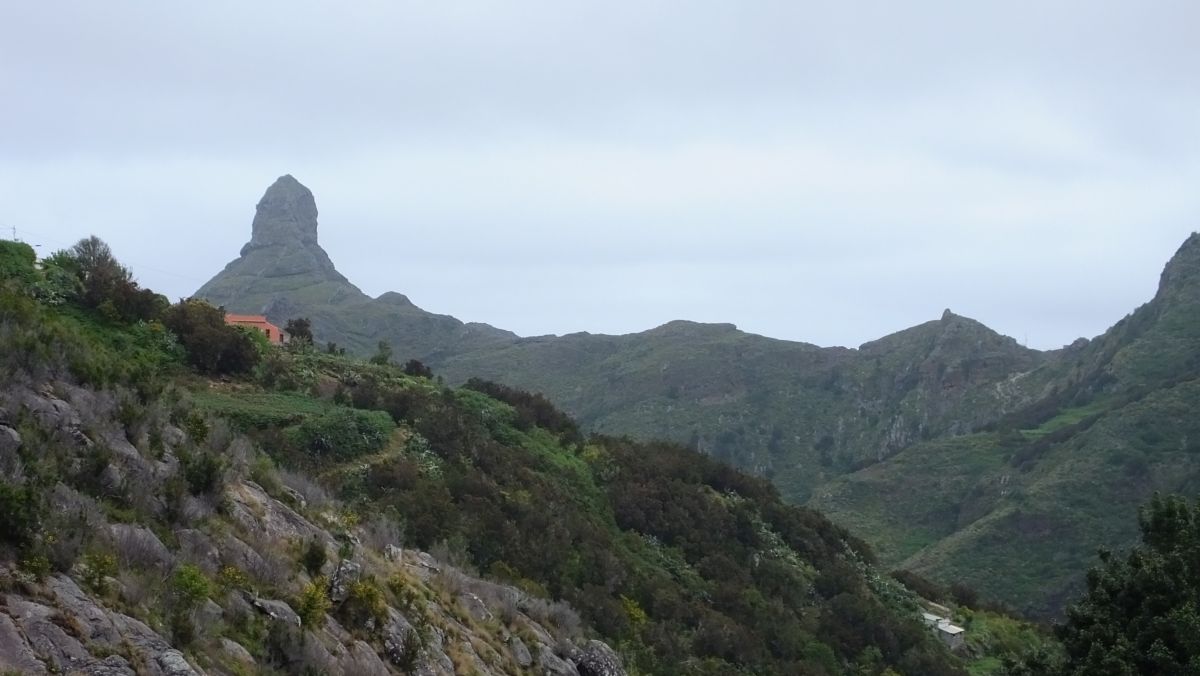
column 98, row 269
column 1141, row 612
column 383, row 354
column 415, row 368
column 299, row 330
column 16, row 262
column 212, row 346
column 103, row 283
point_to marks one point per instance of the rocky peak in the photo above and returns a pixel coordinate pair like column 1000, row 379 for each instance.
column 282, row 269
column 286, row 214
column 1183, row 270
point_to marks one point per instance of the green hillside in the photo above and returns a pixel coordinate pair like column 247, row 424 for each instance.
column 1018, row 511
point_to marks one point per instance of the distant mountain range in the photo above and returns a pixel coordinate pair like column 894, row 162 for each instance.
column 953, row 449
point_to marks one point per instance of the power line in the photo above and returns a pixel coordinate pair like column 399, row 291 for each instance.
column 51, row 240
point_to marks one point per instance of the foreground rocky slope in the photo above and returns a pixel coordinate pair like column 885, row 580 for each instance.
column 134, row 583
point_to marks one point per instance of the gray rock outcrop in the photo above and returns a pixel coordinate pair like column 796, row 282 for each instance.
column 597, row 659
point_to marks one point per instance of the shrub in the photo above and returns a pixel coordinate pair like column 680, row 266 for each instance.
column 532, row 409
column 204, row 472
column 106, row 285
column 314, row 557
column 299, row 331
column 383, row 529
column 196, row 427
column 189, row 586
column 344, row 433
column 1139, row 612
column 212, row 346
column 36, row 564
column 365, row 607
column 16, row 262
column 415, row 368
column 19, row 514
column 383, row 354
column 314, row 603
column 98, row 568
column 231, row 578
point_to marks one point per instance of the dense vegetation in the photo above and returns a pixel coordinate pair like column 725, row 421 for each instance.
column 1141, row 611
column 689, row 565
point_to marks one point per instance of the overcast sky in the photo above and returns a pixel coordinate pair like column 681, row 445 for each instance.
column 826, row 172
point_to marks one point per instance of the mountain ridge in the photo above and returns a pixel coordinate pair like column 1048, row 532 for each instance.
column 715, row 373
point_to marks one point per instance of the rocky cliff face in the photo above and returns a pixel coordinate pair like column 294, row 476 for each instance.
column 115, row 595
column 286, row 216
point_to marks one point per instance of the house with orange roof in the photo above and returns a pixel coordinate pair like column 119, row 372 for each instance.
column 259, row 323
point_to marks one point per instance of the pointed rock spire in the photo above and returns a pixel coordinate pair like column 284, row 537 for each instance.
column 282, row 262
column 286, row 214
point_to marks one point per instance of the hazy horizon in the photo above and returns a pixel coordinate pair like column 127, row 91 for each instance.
column 827, row 174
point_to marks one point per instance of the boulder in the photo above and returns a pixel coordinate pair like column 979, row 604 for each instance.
column 263, row 515
column 208, row 615
column 150, row 646
column 475, row 607
column 236, row 652
column 51, row 412
column 597, row 659
column 197, row 548
column 346, row 574
column 172, row 436
column 16, row 655
column 520, row 652
column 173, row 663
column 113, row 665
column 365, row 661
column 552, row 665
column 94, row 621
column 278, row 611
column 112, row 478
column 62, row 652
column 240, row 555
column 139, row 547
column 10, row 443
column 397, row 641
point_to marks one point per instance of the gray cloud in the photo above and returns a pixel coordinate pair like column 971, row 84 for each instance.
column 826, row 172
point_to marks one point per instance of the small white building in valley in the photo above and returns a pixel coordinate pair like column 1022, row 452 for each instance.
column 952, row 635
